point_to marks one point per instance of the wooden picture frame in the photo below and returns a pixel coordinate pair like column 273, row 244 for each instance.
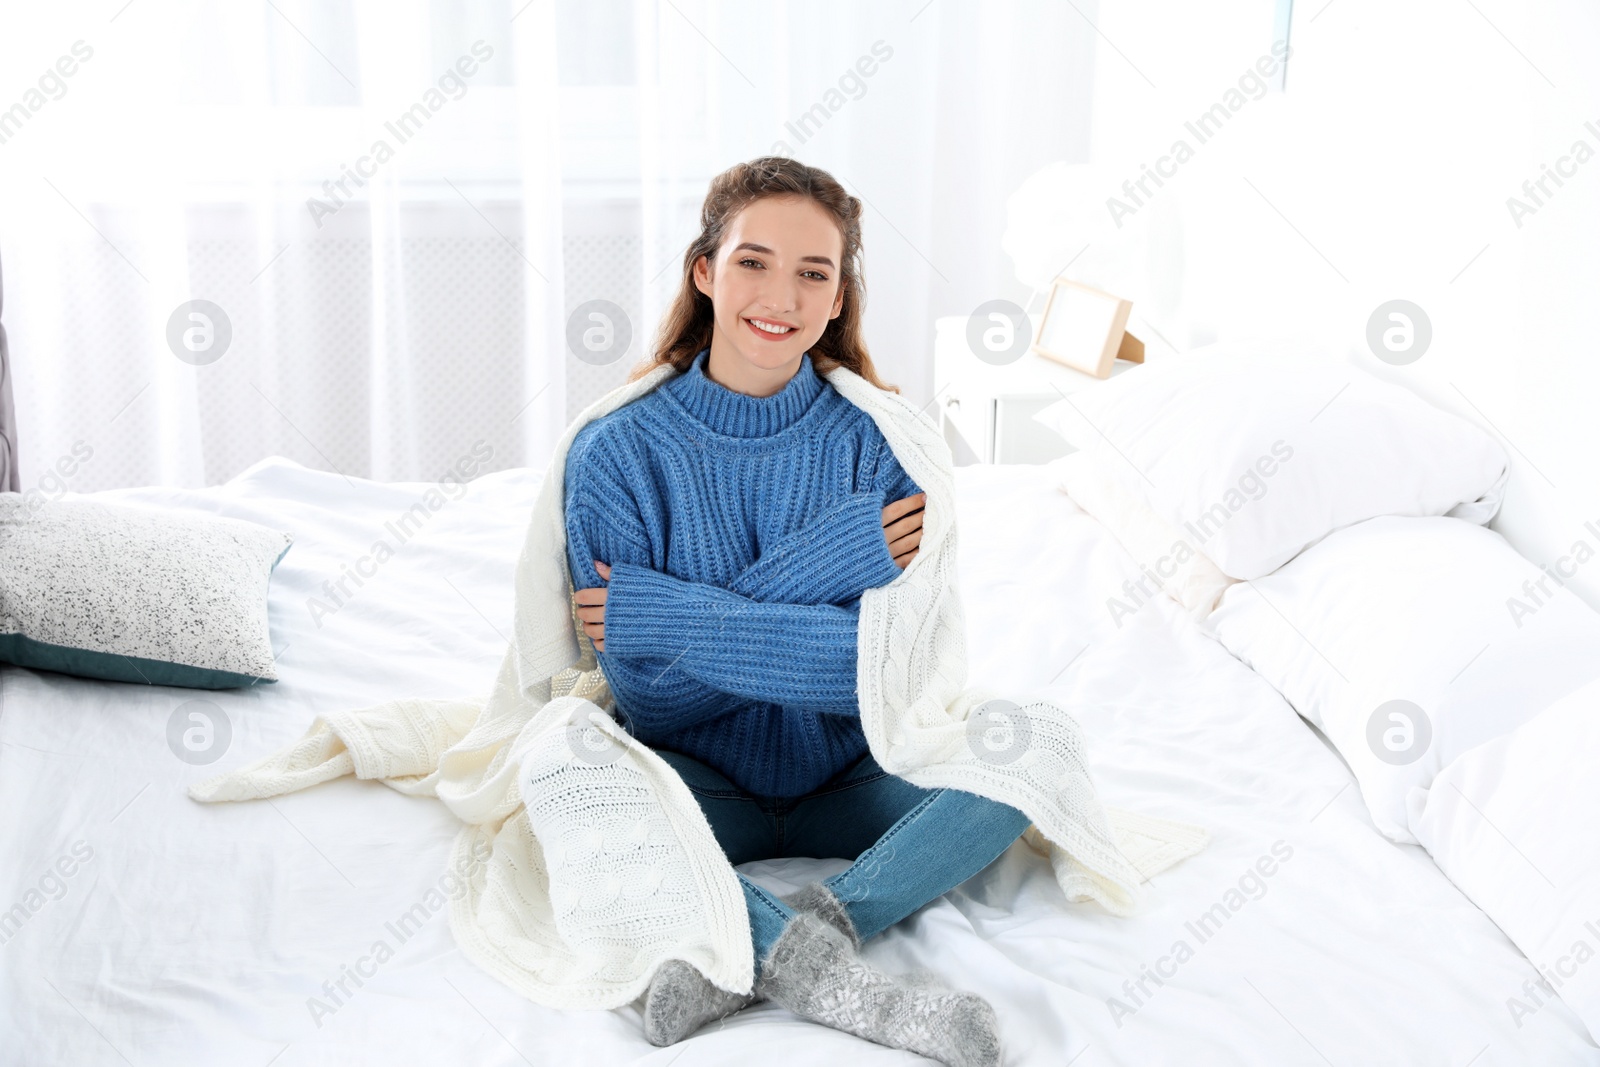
column 1086, row 329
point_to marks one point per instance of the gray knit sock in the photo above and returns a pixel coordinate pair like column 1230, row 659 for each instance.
column 814, row 972
column 681, row 1000
column 819, row 900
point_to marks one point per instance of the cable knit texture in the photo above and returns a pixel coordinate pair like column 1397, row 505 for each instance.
column 585, row 862
column 741, row 532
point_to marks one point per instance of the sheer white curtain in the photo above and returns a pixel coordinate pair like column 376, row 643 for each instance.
column 384, row 328
column 208, row 151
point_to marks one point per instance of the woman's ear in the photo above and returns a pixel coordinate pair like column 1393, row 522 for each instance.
column 702, row 275
column 838, row 303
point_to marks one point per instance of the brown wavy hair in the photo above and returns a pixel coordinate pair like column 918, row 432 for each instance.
column 687, row 326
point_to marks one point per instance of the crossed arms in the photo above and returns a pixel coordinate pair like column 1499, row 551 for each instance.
column 783, row 631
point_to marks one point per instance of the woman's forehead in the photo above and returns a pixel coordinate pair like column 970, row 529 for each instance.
column 791, row 227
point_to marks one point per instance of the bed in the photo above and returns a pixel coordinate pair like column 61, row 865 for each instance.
column 196, row 934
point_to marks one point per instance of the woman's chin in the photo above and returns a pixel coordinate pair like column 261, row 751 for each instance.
column 771, row 357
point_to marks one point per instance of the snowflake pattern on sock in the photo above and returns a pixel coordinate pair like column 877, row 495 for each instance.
column 814, row 972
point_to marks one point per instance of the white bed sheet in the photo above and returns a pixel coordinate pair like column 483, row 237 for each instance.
column 199, row 934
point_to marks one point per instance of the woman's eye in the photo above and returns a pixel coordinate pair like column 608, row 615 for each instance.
column 817, row 274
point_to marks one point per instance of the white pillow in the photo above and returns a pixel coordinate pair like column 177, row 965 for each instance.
column 1512, row 823
column 136, row 594
column 1429, row 611
column 1169, row 560
column 1257, row 455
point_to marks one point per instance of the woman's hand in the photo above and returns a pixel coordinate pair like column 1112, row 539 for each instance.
column 902, row 528
column 592, row 608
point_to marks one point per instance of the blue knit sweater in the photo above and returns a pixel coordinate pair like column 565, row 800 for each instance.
column 741, row 532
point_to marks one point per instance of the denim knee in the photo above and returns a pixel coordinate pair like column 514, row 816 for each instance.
column 999, row 819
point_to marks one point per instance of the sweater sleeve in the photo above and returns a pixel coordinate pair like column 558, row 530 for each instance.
column 842, row 552
column 785, row 631
column 889, row 478
column 604, row 520
column 797, row 655
column 602, row 517
column 831, row 560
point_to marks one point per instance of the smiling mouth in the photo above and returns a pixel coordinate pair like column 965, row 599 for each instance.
column 769, row 329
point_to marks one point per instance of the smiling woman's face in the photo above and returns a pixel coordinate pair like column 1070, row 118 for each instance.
column 778, row 268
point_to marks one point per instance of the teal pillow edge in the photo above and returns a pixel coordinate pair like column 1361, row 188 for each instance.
column 23, row 651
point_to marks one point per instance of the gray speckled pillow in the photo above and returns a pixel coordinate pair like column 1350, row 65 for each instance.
column 135, row 595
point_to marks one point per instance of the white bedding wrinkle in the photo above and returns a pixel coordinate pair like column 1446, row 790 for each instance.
column 342, row 986
column 1513, row 822
column 587, row 841
column 48, row 888
column 1167, row 559
column 1252, row 885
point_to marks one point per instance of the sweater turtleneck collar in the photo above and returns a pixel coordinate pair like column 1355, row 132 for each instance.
column 736, row 414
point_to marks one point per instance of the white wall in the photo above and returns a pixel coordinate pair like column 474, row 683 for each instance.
column 1383, row 172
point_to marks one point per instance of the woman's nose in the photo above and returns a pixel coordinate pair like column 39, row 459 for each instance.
column 778, row 297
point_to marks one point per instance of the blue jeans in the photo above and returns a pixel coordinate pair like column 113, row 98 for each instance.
column 910, row 845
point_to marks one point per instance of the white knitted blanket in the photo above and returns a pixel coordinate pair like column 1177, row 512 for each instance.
column 601, row 864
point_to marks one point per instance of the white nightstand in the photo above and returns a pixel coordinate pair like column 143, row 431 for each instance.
column 988, row 410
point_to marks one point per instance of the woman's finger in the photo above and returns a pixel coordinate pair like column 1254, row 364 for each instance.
column 897, row 508
column 902, row 561
column 592, row 615
column 597, row 634
column 591, row 607
column 901, row 527
column 901, row 545
column 903, row 506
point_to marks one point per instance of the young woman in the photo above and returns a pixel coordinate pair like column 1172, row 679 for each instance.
column 722, row 529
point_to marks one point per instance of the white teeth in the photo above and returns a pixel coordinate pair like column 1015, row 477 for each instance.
column 769, row 329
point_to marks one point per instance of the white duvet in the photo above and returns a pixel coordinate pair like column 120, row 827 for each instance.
column 248, row 935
